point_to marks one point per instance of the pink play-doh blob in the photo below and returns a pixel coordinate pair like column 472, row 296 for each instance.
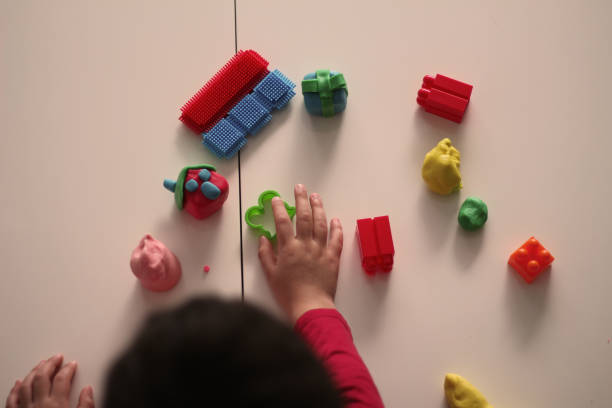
column 157, row 268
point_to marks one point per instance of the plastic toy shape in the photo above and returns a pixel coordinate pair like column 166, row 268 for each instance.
column 441, row 168
column 461, row 394
column 157, row 268
column 324, row 92
column 445, row 97
column 530, row 259
column 199, row 189
column 258, row 210
column 473, row 214
column 375, row 244
column 231, row 83
column 249, row 115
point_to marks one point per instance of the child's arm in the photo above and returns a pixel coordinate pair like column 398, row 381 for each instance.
column 303, row 274
column 330, row 336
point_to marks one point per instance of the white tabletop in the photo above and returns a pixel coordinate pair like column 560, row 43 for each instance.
column 535, row 146
column 90, row 97
column 89, row 105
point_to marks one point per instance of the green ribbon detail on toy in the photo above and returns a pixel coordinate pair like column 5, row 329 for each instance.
column 258, row 210
column 180, row 182
column 325, row 85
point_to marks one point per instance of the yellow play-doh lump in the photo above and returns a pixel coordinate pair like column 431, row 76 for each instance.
column 461, row 394
column 441, row 168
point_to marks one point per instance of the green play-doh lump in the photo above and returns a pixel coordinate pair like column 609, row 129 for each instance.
column 473, row 213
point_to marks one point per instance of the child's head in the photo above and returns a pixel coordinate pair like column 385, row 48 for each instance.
column 213, row 353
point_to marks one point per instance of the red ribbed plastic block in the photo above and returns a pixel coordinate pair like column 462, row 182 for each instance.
column 445, row 97
column 385, row 243
column 367, row 245
column 225, row 89
column 448, row 85
column 375, row 244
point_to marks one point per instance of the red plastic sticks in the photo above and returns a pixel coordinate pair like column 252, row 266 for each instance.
column 375, row 244
column 229, row 85
column 445, row 97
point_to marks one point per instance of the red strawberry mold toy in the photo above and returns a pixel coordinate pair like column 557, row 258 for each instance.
column 199, row 189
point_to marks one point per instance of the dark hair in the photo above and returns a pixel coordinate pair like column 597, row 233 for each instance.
column 214, row 353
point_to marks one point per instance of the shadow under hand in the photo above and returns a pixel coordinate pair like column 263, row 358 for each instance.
column 361, row 297
column 526, row 303
column 258, row 291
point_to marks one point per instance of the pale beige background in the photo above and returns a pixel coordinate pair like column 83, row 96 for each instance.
column 89, row 105
column 535, row 145
column 89, row 99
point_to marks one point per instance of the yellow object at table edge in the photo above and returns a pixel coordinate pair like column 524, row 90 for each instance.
column 461, row 394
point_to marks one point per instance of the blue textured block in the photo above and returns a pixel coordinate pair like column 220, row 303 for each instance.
column 261, row 125
column 224, row 140
column 313, row 101
column 249, row 115
column 275, row 90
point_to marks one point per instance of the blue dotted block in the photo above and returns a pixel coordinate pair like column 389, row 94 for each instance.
column 249, row 115
column 224, row 140
column 275, row 90
column 313, row 101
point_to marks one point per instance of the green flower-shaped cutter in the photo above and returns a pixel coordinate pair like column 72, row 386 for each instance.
column 258, row 210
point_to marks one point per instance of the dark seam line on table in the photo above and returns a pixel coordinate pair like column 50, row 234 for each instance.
column 239, row 181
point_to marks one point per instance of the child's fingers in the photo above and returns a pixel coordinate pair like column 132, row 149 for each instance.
column 303, row 213
column 319, row 231
column 336, row 237
column 266, row 255
column 12, row 401
column 86, row 398
column 41, row 384
column 63, row 381
column 25, row 388
column 284, row 228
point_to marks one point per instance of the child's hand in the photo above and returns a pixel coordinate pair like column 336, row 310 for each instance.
column 48, row 386
column 304, row 272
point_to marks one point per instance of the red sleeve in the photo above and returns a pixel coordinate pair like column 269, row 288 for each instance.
column 329, row 335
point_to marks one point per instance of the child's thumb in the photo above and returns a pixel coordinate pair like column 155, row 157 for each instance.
column 266, row 254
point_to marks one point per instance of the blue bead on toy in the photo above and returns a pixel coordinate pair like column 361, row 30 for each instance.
column 169, row 185
column 204, row 175
column 191, row 185
column 325, row 92
column 210, row 191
